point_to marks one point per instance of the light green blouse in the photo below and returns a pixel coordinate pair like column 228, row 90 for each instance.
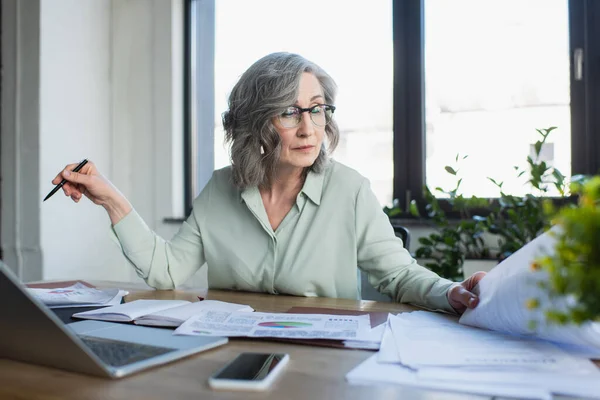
column 336, row 225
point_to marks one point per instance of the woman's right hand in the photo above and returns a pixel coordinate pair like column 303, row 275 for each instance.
column 89, row 182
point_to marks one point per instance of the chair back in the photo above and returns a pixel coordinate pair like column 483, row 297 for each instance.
column 367, row 291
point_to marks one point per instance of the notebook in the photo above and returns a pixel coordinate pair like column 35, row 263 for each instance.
column 165, row 313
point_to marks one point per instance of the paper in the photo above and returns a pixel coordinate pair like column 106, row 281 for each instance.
column 370, row 372
column 584, row 383
column 505, row 290
column 294, row 326
column 371, row 342
column 429, row 339
column 173, row 317
column 77, row 295
column 388, row 351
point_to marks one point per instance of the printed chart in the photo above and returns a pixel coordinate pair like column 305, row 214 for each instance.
column 284, row 324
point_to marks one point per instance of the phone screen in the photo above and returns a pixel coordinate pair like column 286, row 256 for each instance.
column 250, row 367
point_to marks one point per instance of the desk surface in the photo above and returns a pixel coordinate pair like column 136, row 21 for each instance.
column 312, row 373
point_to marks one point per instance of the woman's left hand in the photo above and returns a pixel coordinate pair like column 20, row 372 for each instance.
column 461, row 296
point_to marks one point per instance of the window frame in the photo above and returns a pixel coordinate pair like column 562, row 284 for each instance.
column 199, row 95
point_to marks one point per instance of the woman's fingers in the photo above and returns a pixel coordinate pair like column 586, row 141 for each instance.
column 68, row 189
column 461, row 299
column 58, row 178
column 71, row 189
column 77, row 184
column 77, row 178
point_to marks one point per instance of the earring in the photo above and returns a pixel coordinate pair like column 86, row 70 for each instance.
column 262, row 149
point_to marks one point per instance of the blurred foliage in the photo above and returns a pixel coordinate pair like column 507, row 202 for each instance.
column 574, row 268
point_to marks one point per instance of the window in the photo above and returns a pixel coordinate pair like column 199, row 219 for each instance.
column 494, row 72
column 485, row 74
column 364, row 75
column 468, row 77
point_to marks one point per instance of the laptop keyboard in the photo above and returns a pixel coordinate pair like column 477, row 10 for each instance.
column 117, row 353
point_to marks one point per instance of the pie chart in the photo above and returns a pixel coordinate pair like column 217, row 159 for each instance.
column 284, row 324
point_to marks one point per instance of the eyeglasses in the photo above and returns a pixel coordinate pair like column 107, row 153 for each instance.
column 320, row 115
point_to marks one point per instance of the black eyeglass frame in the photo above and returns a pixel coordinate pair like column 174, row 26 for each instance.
column 329, row 107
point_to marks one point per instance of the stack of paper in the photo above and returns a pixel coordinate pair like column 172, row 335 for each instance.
column 507, row 358
column 77, row 295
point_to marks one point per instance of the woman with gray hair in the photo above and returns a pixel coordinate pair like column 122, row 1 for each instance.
column 284, row 217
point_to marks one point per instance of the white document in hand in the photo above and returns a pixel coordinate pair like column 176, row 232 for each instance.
column 505, row 290
column 173, row 317
column 129, row 311
column 429, row 339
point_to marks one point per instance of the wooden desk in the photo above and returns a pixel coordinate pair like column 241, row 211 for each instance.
column 312, row 373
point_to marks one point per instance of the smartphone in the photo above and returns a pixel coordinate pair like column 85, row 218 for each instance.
column 249, row 371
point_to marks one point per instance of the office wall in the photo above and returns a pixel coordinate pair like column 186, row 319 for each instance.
column 111, row 90
column 75, row 123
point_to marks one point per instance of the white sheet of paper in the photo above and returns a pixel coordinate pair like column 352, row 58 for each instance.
column 77, row 295
column 113, row 302
column 281, row 325
column 372, row 342
column 388, row 351
column 586, row 383
column 503, row 294
column 429, row 339
column 371, row 372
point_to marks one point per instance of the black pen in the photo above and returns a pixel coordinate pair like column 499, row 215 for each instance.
column 76, row 169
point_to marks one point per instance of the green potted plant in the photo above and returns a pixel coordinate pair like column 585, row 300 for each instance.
column 516, row 220
column 513, row 220
column 452, row 242
column 574, row 267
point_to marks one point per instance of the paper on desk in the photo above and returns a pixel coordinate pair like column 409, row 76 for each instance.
column 285, row 325
column 388, row 351
column 371, row 342
column 584, row 383
column 370, row 372
column 429, row 339
column 113, row 302
column 77, row 295
column 505, row 290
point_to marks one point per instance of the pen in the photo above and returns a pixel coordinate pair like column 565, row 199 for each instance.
column 76, row 169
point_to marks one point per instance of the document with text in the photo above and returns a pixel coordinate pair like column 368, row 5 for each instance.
column 77, row 295
column 429, row 339
column 279, row 325
column 505, row 291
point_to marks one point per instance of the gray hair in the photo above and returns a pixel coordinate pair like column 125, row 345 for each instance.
column 269, row 86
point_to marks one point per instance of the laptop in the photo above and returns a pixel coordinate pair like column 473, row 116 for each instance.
column 32, row 333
